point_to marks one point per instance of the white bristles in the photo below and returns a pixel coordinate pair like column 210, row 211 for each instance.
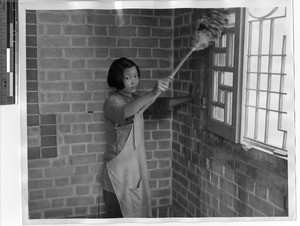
column 201, row 40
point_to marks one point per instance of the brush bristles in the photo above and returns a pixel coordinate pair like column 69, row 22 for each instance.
column 202, row 39
column 210, row 28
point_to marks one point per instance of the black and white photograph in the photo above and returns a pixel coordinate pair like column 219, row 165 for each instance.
column 147, row 112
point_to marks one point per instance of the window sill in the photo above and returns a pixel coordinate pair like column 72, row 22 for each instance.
column 249, row 144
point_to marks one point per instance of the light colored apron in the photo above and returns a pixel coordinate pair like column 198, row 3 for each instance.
column 128, row 173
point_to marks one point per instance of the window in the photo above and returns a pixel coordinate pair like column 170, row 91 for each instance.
column 226, row 79
column 251, row 100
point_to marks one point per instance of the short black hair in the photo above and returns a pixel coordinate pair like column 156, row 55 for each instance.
column 116, row 72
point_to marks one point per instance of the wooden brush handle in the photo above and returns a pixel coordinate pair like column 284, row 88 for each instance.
column 181, row 63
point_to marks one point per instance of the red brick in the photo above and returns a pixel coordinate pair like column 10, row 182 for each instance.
column 53, row 97
column 78, row 41
column 145, row 21
column 59, row 192
column 78, row 29
column 38, row 205
column 64, row 181
column 48, row 152
column 82, row 190
column 160, row 173
column 59, row 172
column 53, row 41
column 101, row 53
column 54, row 108
column 144, row 42
column 47, row 17
column 53, row 52
column 100, row 19
column 123, row 42
column 83, row 159
column 162, row 154
column 77, row 96
column 122, row 31
column 78, row 75
column 78, row 118
column 82, row 179
column 160, row 135
column 78, row 107
column 57, row 203
column 59, row 86
column 36, row 195
column 161, row 192
column 151, row 145
column 100, row 30
column 38, row 184
column 260, row 205
column 101, row 42
column 58, row 213
column 128, row 52
column 35, row 174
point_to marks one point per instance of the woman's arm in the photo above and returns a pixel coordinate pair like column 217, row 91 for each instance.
column 134, row 106
column 194, row 91
column 180, row 100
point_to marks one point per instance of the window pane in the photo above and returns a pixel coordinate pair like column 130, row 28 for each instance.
column 263, row 82
column 227, row 78
column 252, row 98
column 222, row 59
column 229, row 108
column 224, row 40
column 230, row 50
column 249, row 131
column 266, row 37
column 278, row 38
column 253, row 64
column 218, row 113
column 276, row 66
column 217, row 41
column 275, row 86
column 215, row 86
column 262, row 99
column 222, row 96
column 274, row 101
column 255, row 36
column 264, row 64
column 261, row 125
column 275, row 136
column 231, row 20
column 252, row 81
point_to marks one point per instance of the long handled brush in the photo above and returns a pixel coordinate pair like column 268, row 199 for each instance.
column 209, row 29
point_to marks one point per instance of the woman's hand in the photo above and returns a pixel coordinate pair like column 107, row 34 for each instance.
column 194, row 90
column 162, row 85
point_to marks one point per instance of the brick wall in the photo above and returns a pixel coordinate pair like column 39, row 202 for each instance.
column 193, row 172
column 68, row 55
column 211, row 176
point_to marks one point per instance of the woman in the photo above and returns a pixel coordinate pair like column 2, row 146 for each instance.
column 125, row 177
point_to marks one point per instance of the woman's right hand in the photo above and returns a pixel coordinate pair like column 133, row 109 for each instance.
column 161, row 85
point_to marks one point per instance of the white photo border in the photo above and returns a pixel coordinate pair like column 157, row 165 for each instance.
column 13, row 122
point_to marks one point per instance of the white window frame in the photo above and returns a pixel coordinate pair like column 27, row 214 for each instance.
column 287, row 74
column 236, row 131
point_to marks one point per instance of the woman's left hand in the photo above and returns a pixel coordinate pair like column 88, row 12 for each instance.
column 194, row 90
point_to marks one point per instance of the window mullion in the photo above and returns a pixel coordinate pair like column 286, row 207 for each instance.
column 281, row 89
column 269, row 82
column 248, row 80
column 258, row 77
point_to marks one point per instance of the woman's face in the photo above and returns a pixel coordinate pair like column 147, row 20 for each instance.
column 130, row 79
